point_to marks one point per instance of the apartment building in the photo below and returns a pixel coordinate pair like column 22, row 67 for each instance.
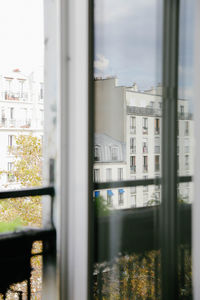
column 21, row 113
column 140, row 117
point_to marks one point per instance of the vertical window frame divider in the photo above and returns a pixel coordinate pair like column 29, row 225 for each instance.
column 168, row 214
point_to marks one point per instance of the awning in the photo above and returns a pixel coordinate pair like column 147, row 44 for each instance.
column 97, row 194
column 110, row 193
column 121, row 191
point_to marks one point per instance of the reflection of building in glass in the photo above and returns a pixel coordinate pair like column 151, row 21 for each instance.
column 134, row 119
column 21, row 113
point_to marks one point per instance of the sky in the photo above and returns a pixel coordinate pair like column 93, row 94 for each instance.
column 128, row 39
column 128, row 42
column 21, row 35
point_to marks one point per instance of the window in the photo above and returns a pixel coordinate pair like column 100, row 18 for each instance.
column 41, row 91
column 96, row 175
column 157, row 126
column 182, row 109
column 145, row 125
column 133, row 125
column 133, row 164
column 120, row 173
column 145, row 187
column 108, row 174
column 110, row 197
column 97, row 153
column 157, row 163
column 186, row 127
column 114, row 153
column 21, row 88
column 12, row 113
column 186, row 162
column 145, row 164
column 10, row 175
column 133, row 201
column 132, row 145
column 10, row 140
column 120, row 197
column 157, row 145
column 186, row 146
column 145, row 146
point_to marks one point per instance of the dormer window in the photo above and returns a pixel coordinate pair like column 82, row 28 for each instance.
column 114, row 153
column 97, row 153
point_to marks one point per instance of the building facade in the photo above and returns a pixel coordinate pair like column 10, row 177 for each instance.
column 21, row 113
column 139, row 115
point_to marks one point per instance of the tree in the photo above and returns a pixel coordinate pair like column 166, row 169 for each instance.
column 27, row 172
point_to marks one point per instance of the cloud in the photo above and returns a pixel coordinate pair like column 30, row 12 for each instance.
column 101, row 63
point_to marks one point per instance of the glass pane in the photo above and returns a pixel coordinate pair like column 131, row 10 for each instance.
column 127, row 147
column 21, row 139
column 185, row 149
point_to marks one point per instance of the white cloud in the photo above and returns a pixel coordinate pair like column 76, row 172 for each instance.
column 101, row 63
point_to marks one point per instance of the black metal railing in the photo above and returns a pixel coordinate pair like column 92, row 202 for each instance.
column 16, row 247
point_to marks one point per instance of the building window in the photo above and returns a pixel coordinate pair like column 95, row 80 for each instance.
column 10, row 140
column 96, row 175
column 145, row 125
column 97, row 153
column 145, row 199
column 133, row 164
column 133, row 125
column 114, row 153
column 182, row 109
column 121, row 197
column 157, row 145
column 186, row 128
column 11, row 176
column 41, row 91
column 108, row 174
column 186, row 162
column 120, row 173
column 110, row 197
column 145, row 187
column 145, row 146
column 186, row 146
column 133, row 201
column 145, row 163
column 157, row 126
column 21, row 88
column 157, row 163
column 132, row 145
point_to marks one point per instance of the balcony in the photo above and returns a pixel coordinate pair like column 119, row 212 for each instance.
column 139, row 259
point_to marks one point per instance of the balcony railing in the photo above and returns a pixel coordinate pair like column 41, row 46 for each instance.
column 139, row 258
